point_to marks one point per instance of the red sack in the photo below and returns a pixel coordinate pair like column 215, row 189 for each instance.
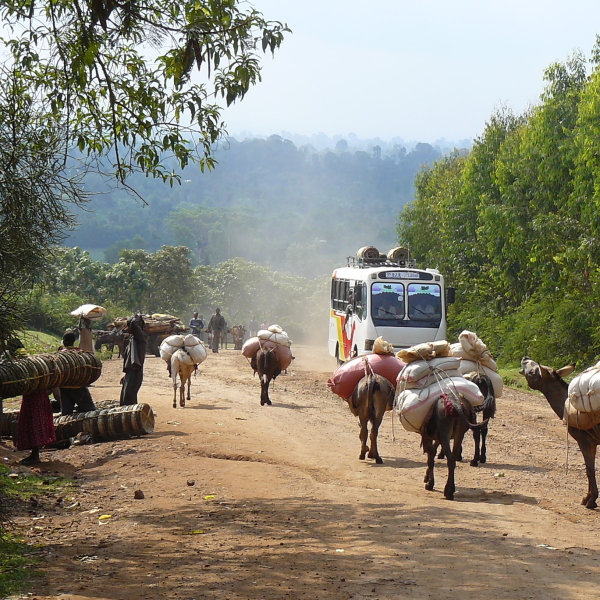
column 346, row 377
column 284, row 354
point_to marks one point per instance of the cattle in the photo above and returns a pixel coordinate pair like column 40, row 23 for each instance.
column 266, row 364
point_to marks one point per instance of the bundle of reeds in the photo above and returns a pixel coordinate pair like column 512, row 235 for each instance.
column 71, row 369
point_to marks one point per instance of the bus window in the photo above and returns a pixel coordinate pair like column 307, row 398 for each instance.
column 387, row 304
column 360, row 300
column 340, row 294
column 425, row 303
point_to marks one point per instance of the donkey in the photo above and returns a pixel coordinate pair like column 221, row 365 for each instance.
column 266, row 364
column 372, row 397
column 112, row 338
column 488, row 410
column 237, row 333
column 550, row 382
column 179, row 366
column 451, row 417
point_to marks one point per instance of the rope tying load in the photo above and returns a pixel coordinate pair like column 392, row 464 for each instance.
column 45, row 371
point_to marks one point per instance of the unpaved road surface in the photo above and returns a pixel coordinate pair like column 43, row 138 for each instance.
column 250, row 502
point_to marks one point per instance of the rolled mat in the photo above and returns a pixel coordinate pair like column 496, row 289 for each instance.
column 102, row 425
column 45, row 371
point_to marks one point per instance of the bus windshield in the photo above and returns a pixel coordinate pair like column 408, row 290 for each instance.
column 387, row 304
column 425, row 303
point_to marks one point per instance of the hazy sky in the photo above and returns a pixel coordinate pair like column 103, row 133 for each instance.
column 421, row 70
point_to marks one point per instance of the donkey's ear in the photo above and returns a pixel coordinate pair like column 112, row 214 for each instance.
column 564, row 371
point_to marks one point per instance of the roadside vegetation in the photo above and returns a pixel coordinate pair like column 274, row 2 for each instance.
column 514, row 225
column 19, row 560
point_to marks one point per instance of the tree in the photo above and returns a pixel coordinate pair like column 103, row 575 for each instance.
column 35, row 194
column 89, row 60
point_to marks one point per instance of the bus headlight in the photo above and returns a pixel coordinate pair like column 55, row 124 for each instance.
column 369, row 344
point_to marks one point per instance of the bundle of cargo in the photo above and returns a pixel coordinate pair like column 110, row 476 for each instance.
column 582, row 406
column 423, row 381
column 194, row 352
column 425, row 351
column 475, row 357
column 153, row 324
column 28, row 374
column 273, row 337
column 157, row 327
column 89, row 311
column 382, row 362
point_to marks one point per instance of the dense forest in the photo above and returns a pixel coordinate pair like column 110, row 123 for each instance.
column 515, row 224
column 267, row 201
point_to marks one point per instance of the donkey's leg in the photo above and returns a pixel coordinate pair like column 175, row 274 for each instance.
column 264, row 392
column 483, row 457
column 189, row 388
column 175, row 395
column 429, row 449
column 589, row 456
column 452, row 455
column 376, row 420
column 182, row 394
column 477, row 458
column 363, row 436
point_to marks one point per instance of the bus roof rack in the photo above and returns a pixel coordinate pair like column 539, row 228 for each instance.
column 381, row 261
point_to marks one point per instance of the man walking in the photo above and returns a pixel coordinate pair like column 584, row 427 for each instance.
column 216, row 326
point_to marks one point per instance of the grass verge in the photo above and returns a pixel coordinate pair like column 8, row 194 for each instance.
column 19, row 560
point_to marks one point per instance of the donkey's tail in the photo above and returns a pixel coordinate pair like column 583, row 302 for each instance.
column 453, row 405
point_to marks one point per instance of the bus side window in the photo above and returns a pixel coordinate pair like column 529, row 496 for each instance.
column 358, row 301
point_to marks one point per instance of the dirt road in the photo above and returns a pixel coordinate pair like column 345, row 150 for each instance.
column 250, row 502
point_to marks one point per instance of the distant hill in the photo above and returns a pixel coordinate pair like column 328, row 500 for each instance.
column 267, row 201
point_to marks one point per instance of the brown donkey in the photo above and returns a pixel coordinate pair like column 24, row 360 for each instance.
column 266, row 364
column 372, row 397
column 488, row 410
column 452, row 416
column 550, row 382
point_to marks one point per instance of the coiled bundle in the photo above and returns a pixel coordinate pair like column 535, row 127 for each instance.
column 105, row 424
column 45, row 371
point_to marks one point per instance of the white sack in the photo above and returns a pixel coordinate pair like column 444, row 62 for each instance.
column 89, row 311
column 197, row 353
column 419, row 368
column 468, row 366
column 174, row 340
column 584, row 391
column 413, row 406
column 429, row 379
column 474, row 349
column 278, row 338
column 190, row 340
column 166, row 351
column 275, row 329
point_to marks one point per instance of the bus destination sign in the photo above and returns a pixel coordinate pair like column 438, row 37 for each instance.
column 404, row 275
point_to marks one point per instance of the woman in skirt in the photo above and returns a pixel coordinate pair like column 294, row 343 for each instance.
column 36, row 425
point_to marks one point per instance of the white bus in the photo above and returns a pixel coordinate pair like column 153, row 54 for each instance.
column 379, row 297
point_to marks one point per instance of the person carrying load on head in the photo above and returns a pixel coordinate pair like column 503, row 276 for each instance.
column 133, row 360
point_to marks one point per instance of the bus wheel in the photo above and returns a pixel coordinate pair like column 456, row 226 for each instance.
column 337, row 356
